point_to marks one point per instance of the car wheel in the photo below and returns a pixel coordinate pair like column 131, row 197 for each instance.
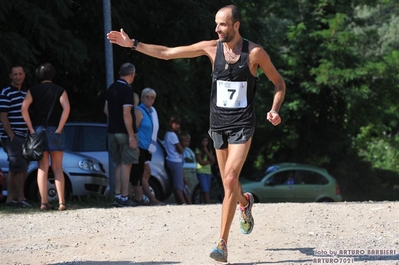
column 155, row 189
column 51, row 188
column 33, row 189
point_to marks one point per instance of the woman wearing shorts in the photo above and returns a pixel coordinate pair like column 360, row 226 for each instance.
column 40, row 98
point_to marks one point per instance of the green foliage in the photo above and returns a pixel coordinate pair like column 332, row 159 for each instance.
column 377, row 141
column 358, row 181
column 336, row 85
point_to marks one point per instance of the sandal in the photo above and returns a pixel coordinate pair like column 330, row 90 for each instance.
column 62, row 207
column 46, row 206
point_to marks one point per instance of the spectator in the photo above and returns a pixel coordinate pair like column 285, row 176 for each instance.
column 185, row 140
column 147, row 125
column 205, row 160
column 290, row 178
column 13, row 132
column 40, row 98
column 174, row 165
column 122, row 132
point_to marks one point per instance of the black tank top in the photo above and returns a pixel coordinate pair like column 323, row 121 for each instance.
column 226, row 118
column 43, row 95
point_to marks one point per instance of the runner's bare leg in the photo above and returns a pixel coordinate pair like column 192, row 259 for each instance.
column 231, row 161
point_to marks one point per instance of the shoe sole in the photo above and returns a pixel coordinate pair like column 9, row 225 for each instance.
column 215, row 254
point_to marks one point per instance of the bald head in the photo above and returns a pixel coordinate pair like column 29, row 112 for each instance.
column 235, row 13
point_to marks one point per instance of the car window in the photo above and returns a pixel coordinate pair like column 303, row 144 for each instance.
column 70, row 132
column 310, row 177
column 258, row 175
column 279, row 178
column 94, row 138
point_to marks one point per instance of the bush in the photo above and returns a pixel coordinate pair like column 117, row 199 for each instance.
column 359, row 181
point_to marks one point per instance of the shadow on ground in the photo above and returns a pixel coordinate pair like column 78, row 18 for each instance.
column 337, row 258
column 114, row 263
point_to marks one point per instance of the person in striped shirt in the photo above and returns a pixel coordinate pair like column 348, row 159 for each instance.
column 13, row 132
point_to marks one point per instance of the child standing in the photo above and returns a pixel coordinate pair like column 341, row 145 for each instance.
column 174, row 151
column 185, row 140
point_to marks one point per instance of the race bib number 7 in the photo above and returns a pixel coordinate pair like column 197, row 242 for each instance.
column 231, row 94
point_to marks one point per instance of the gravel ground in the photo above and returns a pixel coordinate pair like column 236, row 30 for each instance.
column 284, row 233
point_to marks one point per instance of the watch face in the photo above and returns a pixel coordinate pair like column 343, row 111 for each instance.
column 135, row 42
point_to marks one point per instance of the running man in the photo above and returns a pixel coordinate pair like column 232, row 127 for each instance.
column 235, row 61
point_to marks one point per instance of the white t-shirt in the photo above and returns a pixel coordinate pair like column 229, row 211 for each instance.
column 155, row 127
column 170, row 145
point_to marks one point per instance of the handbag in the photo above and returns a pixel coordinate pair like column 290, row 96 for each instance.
column 35, row 144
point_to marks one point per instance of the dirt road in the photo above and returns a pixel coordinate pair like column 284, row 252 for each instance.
column 284, row 233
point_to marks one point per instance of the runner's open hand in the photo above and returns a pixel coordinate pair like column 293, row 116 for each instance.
column 120, row 38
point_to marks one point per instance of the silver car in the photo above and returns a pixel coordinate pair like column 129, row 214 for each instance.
column 84, row 176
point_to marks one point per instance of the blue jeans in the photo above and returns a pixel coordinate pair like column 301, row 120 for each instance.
column 205, row 181
column 176, row 172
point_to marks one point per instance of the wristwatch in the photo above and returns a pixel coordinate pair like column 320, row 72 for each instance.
column 135, row 43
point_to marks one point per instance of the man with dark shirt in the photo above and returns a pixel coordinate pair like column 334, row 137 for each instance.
column 123, row 140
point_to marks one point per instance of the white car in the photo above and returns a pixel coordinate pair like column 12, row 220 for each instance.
column 84, row 176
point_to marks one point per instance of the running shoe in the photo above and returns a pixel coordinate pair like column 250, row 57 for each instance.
column 127, row 203
column 116, row 203
column 246, row 219
column 219, row 253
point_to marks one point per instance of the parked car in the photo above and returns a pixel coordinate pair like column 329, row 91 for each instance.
column 91, row 139
column 310, row 184
column 84, row 176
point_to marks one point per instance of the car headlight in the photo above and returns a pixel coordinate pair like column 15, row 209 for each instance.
column 87, row 164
